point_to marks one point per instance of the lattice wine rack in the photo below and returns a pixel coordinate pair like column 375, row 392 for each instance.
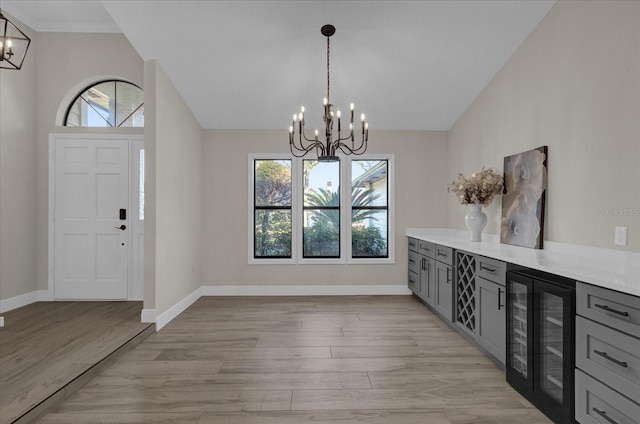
column 466, row 290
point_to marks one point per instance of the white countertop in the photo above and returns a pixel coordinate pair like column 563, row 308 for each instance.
column 612, row 269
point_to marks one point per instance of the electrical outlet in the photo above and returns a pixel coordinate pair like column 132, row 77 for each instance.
column 620, row 236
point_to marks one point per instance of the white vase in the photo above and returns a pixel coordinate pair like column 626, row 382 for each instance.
column 475, row 220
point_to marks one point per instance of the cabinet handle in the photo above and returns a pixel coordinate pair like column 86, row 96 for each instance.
column 486, row 268
column 615, row 311
column 499, row 297
column 604, row 415
column 422, row 264
column 448, row 275
column 614, row 360
column 442, row 254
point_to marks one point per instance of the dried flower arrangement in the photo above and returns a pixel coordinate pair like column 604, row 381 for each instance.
column 480, row 188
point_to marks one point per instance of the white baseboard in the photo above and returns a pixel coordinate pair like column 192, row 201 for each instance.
column 305, row 290
column 148, row 315
column 167, row 316
column 16, row 302
column 1, row 321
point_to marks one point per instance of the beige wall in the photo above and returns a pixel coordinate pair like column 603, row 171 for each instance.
column 174, row 139
column 18, row 173
column 573, row 85
column 420, row 163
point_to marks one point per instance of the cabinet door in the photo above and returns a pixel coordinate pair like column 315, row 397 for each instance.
column 490, row 305
column 428, row 280
column 444, row 291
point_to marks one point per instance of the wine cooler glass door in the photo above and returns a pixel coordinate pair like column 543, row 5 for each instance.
column 519, row 331
column 551, row 359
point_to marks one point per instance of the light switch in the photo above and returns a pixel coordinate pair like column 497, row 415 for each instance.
column 621, row 236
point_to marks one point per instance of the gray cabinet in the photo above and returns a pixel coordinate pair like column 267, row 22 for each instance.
column 422, row 270
column 428, row 280
column 426, row 252
column 444, row 282
column 413, row 279
column 491, row 322
column 607, row 356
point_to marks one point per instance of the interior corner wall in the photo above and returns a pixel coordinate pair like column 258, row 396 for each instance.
column 573, row 85
column 420, row 197
column 18, row 174
column 173, row 190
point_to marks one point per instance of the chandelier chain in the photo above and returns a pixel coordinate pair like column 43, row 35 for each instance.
column 328, row 82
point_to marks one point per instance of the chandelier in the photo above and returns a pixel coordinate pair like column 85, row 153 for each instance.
column 327, row 147
column 13, row 44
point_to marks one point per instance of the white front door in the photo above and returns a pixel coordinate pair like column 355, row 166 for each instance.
column 91, row 199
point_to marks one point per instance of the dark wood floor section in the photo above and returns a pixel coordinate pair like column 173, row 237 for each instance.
column 286, row 360
column 50, row 349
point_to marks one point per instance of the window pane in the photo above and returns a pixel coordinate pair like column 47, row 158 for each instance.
column 100, row 102
column 321, row 182
column 369, row 183
column 272, row 183
column 129, row 100
column 369, row 233
column 321, row 236
column 272, row 233
column 141, row 186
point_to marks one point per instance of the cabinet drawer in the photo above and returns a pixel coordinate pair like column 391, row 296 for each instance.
column 413, row 262
column 598, row 404
column 426, row 248
column 491, row 269
column 444, row 254
column 618, row 310
column 413, row 244
column 413, row 281
column 610, row 356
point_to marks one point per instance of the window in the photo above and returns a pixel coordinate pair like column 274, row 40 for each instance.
column 272, row 209
column 111, row 103
column 369, row 208
column 321, row 223
column 305, row 211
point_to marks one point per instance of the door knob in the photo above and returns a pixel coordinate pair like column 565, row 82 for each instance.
column 122, row 227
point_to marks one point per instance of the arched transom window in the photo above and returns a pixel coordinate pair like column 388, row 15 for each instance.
column 112, row 103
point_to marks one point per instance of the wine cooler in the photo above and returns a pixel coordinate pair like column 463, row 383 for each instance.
column 540, row 340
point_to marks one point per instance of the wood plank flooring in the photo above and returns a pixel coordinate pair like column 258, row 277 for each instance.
column 286, row 360
column 49, row 349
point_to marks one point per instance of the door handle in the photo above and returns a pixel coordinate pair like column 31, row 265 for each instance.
column 122, row 227
column 499, row 298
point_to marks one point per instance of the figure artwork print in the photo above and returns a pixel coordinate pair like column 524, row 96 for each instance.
column 523, row 201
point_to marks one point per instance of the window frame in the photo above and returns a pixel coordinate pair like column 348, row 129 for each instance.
column 297, row 208
column 115, row 81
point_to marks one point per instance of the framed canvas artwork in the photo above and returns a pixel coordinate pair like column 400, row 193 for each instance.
column 523, row 201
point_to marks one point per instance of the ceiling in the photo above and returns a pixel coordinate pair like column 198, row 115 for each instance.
column 409, row 65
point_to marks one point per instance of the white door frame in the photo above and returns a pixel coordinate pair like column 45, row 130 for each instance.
column 135, row 142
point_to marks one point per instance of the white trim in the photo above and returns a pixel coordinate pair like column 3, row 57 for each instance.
column 25, row 299
column 368, row 290
column 148, row 315
column 1, row 321
column 167, row 316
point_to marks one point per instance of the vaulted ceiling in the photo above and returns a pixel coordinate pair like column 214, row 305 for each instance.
column 409, row 65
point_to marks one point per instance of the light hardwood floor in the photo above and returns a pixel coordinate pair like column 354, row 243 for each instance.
column 49, row 349
column 286, row 360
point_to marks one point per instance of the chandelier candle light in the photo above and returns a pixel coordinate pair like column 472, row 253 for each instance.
column 327, row 148
column 13, row 44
